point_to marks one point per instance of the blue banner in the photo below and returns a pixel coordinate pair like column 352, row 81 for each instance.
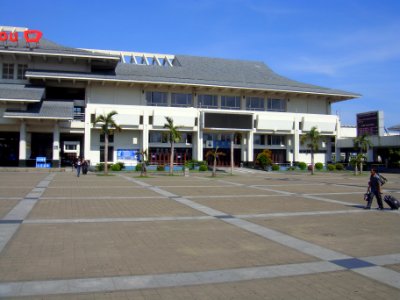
column 127, row 154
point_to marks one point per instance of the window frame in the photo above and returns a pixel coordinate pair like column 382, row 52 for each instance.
column 225, row 102
column 8, row 71
column 213, row 99
column 150, row 99
column 177, row 97
column 249, row 103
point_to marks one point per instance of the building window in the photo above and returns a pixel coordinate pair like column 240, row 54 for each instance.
column 158, row 137
column 8, row 71
column 156, row 99
column 255, row 103
column 79, row 113
column 276, row 104
column 276, row 140
column 21, row 71
column 70, row 147
column 110, row 138
column 110, row 154
column 207, row 101
column 230, row 102
column 259, row 139
column 181, row 100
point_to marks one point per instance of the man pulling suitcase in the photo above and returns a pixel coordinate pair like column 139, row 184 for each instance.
column 374, row 189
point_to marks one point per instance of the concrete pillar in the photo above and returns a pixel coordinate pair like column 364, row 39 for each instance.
column 296, row 141
column 56, row 146
column 22, row 144
column 250, row 146
column 198, row 145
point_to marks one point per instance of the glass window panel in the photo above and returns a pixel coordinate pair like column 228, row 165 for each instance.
column 156, row 98
column 181, row 100
column 21, row 71
column 230, row 102
column 276, row 104
column 8, row 71
column 254, row 103
column 207, row 101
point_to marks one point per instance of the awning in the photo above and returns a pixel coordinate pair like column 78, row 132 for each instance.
column 20, row 93
column 59, row 110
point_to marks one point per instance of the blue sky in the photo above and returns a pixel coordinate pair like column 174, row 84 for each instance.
column 349, row 45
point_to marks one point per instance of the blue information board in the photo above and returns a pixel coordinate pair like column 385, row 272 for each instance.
column 41, row 162
column 127, row 154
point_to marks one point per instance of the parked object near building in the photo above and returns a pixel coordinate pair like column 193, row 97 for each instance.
column 50, row 96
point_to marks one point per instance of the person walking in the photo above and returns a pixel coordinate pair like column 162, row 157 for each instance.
column 374, row 189
column 78, row 166
column 84, row 166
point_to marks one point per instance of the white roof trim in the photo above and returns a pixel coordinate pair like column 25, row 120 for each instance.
column 58, row 54
column 18, row 100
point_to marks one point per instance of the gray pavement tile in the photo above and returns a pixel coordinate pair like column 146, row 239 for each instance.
column 381, row 274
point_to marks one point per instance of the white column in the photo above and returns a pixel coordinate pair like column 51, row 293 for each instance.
column 289, row 148
column 243, row 152
column 198, row 145
column 296, row 141
column 22, row 141
column 145, row 132
column 250, row 146
column 56, row 142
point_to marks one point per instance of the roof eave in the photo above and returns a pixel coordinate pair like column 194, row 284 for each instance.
column 345, row 96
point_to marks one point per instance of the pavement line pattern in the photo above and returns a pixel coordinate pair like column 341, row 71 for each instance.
column 281, row 238
column 193, row 218
column 370, row 267
column 117, row 283
column 11, row 222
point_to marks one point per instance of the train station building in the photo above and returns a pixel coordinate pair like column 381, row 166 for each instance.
column 50, row 94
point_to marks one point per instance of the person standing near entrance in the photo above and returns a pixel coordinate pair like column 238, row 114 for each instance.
column 374, row 189
column 78, row 166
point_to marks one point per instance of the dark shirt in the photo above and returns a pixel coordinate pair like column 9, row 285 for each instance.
column 374, row 183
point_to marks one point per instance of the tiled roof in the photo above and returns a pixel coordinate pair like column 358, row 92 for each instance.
column 45, row 110
column 20, row 92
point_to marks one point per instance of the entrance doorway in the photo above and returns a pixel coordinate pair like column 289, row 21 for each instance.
column 9, row 149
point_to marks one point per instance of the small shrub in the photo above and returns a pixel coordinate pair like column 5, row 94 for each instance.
column 339, row 167
column 275, row 167
column 319, row 166
column 116, row 167
column 160, row 168
column 291, row 168
column 331, row 167
column 121, row 164
column 203, row 168
column 100, row 167
column 138, row 167
column 302, row 165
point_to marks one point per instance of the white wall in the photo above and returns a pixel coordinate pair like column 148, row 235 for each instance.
column 110, row 94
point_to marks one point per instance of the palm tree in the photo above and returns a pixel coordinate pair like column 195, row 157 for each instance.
column 362, row 143
column 313, row 138
column 173, row 136
column 214, row 153
column 107, row 126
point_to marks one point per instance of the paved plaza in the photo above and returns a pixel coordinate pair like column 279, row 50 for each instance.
column 250, row 235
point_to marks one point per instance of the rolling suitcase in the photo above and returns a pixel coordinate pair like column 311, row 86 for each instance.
column 392, row 202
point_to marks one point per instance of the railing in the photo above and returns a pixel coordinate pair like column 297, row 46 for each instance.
column 79, row 117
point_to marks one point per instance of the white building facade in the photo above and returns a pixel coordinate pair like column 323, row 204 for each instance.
column 50, row 95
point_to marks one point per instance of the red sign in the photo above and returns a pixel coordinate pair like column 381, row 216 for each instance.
column 30, row 36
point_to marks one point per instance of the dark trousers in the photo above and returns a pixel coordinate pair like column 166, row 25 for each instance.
column 378, row 199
